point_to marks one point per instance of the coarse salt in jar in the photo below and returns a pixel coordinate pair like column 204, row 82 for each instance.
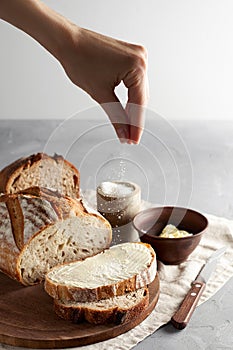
column 119, row 202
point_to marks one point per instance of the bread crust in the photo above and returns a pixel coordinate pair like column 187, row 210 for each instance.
column 10, row 173
column 116, row 314
column 68, row 293
column 14, row 241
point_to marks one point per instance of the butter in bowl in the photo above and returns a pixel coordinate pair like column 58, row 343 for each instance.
column 173, row 232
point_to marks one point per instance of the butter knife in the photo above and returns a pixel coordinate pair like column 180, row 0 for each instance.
column 182, row 316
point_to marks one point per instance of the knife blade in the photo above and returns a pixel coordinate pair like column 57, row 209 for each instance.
column 182, row 316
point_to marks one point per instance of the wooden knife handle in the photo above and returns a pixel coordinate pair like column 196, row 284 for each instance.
column 187, row 307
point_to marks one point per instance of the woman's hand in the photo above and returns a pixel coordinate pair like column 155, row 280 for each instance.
column 97, row 64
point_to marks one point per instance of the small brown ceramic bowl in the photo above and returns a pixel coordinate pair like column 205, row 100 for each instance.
column 173, row 251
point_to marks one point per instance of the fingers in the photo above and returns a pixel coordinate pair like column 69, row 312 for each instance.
column 129, row 123
column 135, row 108
column 136, row 116
column 137, row 83
column 118, row 117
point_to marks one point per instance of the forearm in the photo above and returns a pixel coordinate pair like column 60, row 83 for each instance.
column 46, row 26
column 93, row 62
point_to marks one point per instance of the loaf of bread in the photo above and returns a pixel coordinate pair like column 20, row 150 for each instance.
column 120, row 309
column 43, row 171
column 122, row 268
column 41, row 228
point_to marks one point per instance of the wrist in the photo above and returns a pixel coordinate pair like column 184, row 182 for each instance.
column 65, row 38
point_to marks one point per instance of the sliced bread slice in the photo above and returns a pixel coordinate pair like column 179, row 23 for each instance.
column 40, row 228
column 120, row 269
column 120, row 309
column 41, row 170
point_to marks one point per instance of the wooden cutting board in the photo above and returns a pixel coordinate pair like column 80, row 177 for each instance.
column 27, row 319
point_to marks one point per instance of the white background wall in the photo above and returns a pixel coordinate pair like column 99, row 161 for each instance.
column 190, row 46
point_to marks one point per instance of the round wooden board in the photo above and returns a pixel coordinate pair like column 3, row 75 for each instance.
column 27, row 319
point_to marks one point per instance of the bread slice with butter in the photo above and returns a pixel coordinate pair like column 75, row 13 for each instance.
column 115, row 271
column 119, row 309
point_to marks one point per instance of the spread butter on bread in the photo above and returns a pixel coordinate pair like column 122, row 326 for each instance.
column 115, row 271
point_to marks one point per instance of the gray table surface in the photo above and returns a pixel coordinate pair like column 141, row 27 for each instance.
column 193, row 167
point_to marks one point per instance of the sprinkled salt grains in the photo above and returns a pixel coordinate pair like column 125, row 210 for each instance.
column 117, row 170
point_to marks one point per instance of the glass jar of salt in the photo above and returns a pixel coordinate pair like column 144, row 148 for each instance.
column 119, row 202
